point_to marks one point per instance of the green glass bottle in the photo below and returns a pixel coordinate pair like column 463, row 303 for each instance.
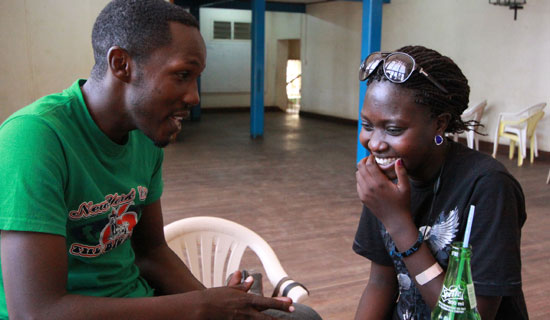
column 457, row 300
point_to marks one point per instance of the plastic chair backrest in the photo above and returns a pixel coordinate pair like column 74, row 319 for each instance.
column 513, row 125
column 520, row 127
column 536, row 108
column 524, row 113
column 206, row 242
column 475, row 113
column 526, row 120
column 532, row 122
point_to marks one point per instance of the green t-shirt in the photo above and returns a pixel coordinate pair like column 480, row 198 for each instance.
column 60, row 174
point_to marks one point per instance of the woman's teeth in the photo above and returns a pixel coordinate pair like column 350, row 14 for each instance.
column 385, row 161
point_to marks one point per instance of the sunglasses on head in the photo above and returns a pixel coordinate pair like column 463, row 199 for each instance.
column 398, row 67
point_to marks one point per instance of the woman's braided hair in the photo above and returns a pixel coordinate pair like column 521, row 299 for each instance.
column 446, row 72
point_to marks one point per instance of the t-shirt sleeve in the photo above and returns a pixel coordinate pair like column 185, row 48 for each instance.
column 496, row 234
column 368, row 240
column 157, row 184
column 33, row 175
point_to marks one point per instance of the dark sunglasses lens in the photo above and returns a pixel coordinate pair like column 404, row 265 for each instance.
column 369, row 65
column 398, row 67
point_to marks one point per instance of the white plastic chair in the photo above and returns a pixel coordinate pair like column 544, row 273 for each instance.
column 195, row 239
column 520, row 127
column 474, row 113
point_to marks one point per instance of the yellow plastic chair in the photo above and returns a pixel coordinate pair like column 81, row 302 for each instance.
column 520, row 127
column 206, row 242
column 474, row 113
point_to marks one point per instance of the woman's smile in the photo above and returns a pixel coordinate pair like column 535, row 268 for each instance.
column 385, row 161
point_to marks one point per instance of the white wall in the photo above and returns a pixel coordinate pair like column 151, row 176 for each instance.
column 228, row 61
column 330, row 59
column 226, row 79
column 506, row 61
column 45, row 45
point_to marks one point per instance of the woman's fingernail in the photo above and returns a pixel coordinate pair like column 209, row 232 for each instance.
column 291, row 308
column 249, row 279
column 399, row 162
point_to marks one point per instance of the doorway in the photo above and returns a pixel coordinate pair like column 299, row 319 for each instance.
column 288, row 76
column 293, row 85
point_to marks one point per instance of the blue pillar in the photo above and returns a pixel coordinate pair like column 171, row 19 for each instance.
column 371, row 37
column 257, row 70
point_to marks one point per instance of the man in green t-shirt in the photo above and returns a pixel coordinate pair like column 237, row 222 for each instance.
column 80, row 214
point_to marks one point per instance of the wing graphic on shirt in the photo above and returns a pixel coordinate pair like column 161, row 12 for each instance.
column 442, row 233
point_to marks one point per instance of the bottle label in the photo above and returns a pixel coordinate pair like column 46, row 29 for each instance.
column 471, row 295
column 452, row 299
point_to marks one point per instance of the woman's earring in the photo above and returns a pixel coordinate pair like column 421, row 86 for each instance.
column 438, row 140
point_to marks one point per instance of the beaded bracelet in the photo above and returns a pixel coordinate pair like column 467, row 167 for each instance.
column 411, row 250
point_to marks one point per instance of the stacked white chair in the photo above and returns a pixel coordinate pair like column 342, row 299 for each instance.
column 519, row 127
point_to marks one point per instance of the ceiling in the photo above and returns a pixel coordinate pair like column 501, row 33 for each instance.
column 271, row 5
column 221, row 2
column 300, row 1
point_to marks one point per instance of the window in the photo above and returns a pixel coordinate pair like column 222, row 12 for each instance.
column 222, row 30
column 232, row 30
column 241, row 31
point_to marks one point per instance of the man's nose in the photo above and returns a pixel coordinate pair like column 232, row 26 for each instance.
column 192, row 96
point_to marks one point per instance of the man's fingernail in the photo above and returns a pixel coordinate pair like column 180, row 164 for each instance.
column 249, row 279
column 291, row 309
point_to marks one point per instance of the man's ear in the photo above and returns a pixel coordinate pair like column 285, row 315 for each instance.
column 119, row 63
column 442, row 122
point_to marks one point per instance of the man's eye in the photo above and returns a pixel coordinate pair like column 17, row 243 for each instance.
column 183, row 75
column 366, row 125
column 394, row 131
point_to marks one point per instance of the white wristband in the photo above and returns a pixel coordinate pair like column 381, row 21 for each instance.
column 429, row 274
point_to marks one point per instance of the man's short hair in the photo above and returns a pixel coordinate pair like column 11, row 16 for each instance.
column 137, row 26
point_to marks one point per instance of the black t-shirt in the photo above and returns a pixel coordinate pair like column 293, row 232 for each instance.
column 467, row 178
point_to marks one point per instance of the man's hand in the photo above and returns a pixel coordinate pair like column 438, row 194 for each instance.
column 236, row 278
column 233, row 301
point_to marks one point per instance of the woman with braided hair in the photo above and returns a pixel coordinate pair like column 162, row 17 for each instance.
column 417, row 187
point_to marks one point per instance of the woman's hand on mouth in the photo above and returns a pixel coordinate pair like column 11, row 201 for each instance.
column 387, row 200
